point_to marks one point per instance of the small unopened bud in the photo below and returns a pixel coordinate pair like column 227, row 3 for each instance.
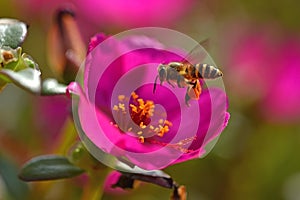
column 179, row 193
column 66, row 49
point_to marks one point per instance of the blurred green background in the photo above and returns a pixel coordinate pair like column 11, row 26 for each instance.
column 257, row 46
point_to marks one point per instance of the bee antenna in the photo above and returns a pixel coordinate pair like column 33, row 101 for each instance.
column 154, row 87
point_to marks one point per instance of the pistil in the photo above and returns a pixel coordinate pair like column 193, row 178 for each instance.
column 136, row 119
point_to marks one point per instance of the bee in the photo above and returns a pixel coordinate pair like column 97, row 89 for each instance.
column 185, row 74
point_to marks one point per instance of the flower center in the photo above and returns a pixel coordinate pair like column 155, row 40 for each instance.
column 140, row 113
column 137, row 121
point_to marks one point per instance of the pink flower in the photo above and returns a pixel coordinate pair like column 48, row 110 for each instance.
column 250, row 61
column 37, row 8
column 50, row 116
column 281, row 102
column 264, row 67
column 135, row 13
column 121, row 116
column 95, row 14
column 111, row 179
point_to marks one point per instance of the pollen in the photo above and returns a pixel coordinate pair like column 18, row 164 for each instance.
column 168, row 123
column 140, row 132
column 141, row 111
column 134, row 95
column 142, row 125
column 136, row 117
column 163, row 130
column 116, row 108
column 122, row 106
column 133, row 108
column 142, row 139
column 121, row 98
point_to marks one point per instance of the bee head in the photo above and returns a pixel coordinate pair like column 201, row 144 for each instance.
column 220, row 73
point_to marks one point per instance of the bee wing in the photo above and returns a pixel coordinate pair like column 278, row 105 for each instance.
column 205, row 43
column 198, row 54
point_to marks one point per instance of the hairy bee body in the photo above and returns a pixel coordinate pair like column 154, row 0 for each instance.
column 198, row 71
column 186, row 74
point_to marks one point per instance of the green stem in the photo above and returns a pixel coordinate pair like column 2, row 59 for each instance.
column 67, row 138
column 95, row 170
column 2, row 84
column 94, row 189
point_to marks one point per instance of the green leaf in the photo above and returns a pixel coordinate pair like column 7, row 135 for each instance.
column 28, row 79
column 8, row 171
column 12, row 32
column 52, row 87
column 48, row 167
column 19, row 69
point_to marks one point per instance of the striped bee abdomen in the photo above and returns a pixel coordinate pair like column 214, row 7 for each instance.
column 208, row 71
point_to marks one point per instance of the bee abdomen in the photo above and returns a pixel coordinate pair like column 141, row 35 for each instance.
column 196, row 71
column 208, row 71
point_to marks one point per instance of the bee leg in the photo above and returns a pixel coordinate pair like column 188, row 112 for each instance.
column 193, row 91
column 187, row 97
column 197, row 89
column 193, row 83
column 170, row 83
column 154, row 87
column 179, row 81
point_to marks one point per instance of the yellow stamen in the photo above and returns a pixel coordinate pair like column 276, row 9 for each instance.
column 134, row 95
column 141, row 102
column 140, row 132
column 168, row 123
column 142, row 125
column 138, row 121
column 122, row 106
column 163, row 130
column 116, row 108
column 121, row 98
column 142, row 139
column 133, row 108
